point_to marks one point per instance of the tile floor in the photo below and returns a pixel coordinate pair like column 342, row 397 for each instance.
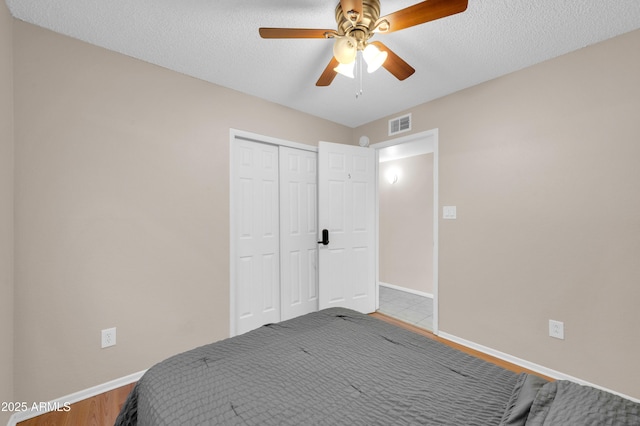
column 407, row 307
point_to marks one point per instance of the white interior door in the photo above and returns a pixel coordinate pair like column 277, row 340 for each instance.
column 346, row 208
column 257, row 262
column 298, row 232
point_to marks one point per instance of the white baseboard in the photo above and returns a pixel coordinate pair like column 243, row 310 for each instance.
column 528, row 365
column 72, row 398
column 406, row 290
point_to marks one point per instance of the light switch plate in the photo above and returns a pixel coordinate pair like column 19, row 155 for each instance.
column 449, row 212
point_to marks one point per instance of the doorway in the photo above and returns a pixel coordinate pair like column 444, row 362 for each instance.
column 407, row 228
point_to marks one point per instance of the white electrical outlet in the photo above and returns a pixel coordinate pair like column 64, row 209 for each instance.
column 108, row 337
column 556, row 329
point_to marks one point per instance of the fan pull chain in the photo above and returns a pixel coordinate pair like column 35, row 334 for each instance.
column 359, row 75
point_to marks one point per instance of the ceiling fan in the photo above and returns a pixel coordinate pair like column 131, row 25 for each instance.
column 358, row 21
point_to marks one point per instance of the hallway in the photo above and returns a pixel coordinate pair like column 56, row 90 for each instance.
column 407, row 307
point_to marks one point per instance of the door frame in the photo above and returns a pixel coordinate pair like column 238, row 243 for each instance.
column 234, row 135
column 433, row 134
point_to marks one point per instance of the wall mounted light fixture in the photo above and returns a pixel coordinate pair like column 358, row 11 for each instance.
column 392, row 176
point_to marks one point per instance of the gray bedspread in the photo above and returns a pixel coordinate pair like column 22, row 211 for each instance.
column 333, row 367
column 570, row 404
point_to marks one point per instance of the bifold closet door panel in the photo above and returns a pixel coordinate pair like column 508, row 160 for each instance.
column 257, row 235
column 298, row 232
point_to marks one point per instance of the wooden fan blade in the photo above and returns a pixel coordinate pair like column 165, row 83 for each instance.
column 328, row 74
column 349, row 5
column 394, row 63
column 293, row 33
column 426, row 11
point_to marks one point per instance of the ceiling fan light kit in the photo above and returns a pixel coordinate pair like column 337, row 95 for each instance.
column 345, row 49
column 346, row 69
column 357, row 21
column 373, row 57
column 345, row 53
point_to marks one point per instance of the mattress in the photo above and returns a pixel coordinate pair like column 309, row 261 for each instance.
column 333, row 367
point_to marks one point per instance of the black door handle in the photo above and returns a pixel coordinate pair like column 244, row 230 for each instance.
column 325, row 237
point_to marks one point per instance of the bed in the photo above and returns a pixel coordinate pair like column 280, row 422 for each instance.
column 340, row 367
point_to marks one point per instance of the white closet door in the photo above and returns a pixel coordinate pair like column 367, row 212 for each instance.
column 346, row 201
column 257, row 262
column 298, row 232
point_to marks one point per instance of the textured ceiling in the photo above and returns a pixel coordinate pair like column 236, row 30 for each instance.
column 218, row 41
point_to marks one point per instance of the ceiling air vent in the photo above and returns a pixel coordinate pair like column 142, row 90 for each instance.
column 400, row 124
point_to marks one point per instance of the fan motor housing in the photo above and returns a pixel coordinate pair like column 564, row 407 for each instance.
column 360, row 30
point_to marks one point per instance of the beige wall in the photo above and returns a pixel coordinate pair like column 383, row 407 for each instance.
column 406, row 223
column 6, row 209
column 122, row 209
column 543, row 165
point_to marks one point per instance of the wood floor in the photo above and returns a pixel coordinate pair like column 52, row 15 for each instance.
column 504, row 364
column 102, row 410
